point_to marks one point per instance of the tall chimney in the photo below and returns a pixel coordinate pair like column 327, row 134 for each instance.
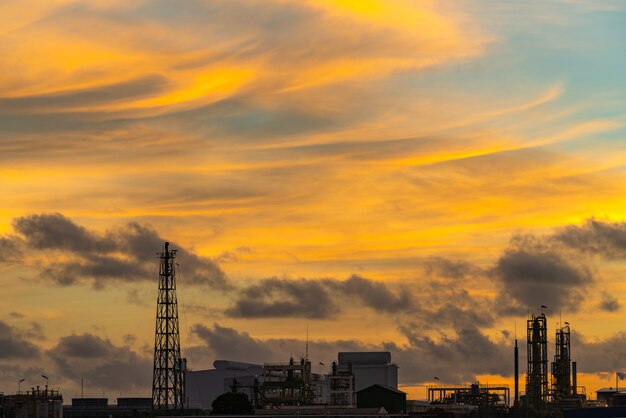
column 516, row 355
column 574, row 378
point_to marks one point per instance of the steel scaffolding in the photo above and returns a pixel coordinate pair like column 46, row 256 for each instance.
column 537, row 370
column 168, row 386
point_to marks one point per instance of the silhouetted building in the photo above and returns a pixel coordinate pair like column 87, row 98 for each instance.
column 600, row 412
column 90, row 403
column 321, row 411
column 203, row 386
column 376, row 396
column 292, row 383
column 287, row 384
column 100, row 408
column 605, row 395
column 369, row 368
column 36, row 403
column 341, row 387
column 142, row 404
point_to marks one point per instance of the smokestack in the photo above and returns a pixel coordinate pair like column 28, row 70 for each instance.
column 574, row 378
column 516, row 355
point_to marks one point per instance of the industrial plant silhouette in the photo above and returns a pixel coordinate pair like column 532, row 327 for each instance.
column 359, row 384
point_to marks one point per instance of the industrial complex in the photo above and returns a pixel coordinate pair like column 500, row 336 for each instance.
column 357, row 384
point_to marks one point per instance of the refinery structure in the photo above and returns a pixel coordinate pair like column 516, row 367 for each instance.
column 357, row 384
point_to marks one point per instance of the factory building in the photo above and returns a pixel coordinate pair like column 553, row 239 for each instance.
column 341, row 387
column 276, row 385
column 203, row 386
column 472, row 394
column 597, row 412
column 369, row 368
column 377, row 396
column 611, row 396
column 36, row 403
column 100, row 408
column 289, row 384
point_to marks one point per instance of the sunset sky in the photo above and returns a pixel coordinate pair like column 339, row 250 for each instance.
column 414, row 175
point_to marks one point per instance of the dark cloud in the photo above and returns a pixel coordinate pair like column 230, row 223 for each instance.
column 125, row 253
column 129, row 339
column 233, row 256
column 450, row 269
column 103, row 364
column 456, row 307
column 605, row 239
column 100, row 268
column 11, row 249
column 457, row 358
column 35, row 331
column 533, row 271
column 13, row 371
column 317, row 299
column 133, row 373
column 531, row 278
column 556, row 269
column 56, row 232
column 14, row 346
column 609, row 303
column 83, row 346
column 601, row 355
column 285, row 298
column 227, row 343
column 375, row 295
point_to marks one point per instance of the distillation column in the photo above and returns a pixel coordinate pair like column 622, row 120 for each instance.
column 561, row 367
column 537, row 368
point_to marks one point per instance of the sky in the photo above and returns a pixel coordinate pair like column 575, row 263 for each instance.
column 409, row 175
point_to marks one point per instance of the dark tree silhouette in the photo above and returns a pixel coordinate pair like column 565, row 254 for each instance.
column 232, row 403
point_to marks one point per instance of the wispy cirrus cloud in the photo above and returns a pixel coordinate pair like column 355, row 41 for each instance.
column 253, row 50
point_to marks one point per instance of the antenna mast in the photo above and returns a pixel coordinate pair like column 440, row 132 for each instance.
column 168, row 373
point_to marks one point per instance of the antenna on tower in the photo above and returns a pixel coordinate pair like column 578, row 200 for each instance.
column 168, row 383
column 306, row 355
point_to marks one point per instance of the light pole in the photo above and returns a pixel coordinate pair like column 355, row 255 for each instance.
column 46, row 377
column 19, row 385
